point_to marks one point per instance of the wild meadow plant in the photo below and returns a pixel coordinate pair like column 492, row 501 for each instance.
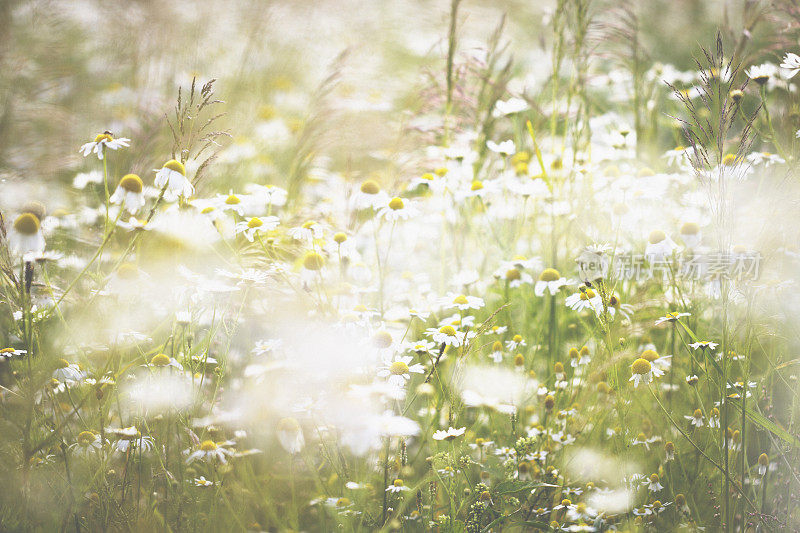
column 561, row 298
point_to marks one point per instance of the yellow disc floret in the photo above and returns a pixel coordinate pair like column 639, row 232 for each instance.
column 131, row 183
column 177, row 166
column 161, row 359
column 313, row 261
column 398, row 368
column 396, row 203
column 550, row 274
column 370, row 187
column 26, row 224
column 656, row 236
column 641, row 366
column 649, row 355
column 208, row 446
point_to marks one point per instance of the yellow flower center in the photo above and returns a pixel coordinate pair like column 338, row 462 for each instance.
column 550, row 274
column 641, row 366
column 370, row 187
column 177, row 166
column 208, row 446
column 649, row 355
column 448, row 330
column 342, row 502
column 558, row 368
column 763, row 459
column 103, row 137
column 460, row 300
column 476, row 185
column 85, row 438
column 656, row 236
column 519, row 360
column 654, row 478
column 588, row 294
column 382, row 339
column 339, row 238
column 398, row 483
column 26, row 224
column 131, row 183
column 254, row 222
column 161, row 359
column 398, row 368
column 513, row 275
column 396, row 204
column 7, row 350
column 313, row 261
column 232, row 200
column 566, row 503
column 497, row 346
column 697, row 414
column 729, row 160
column 441, row 171
column 288, row 425
column 690, row 228
column 127, row 271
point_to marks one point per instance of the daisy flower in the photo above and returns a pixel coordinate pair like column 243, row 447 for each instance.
column 209, row 451
column 713, row 418
column 696, row 418
column 129, row 193
column 585, row 298
column 691, row 235
column 172, row 176
column 669, row 451
column 643, row 440
column 671, row 317
column 449, row 433
column 447, row 335
column 660, row 364
column 370, row 196
column 659, row 246
column 290, row 435
column 791, row 62
column 309, row 231
column 763, row 464
column 641, row 372
column 461, row 302
column 550, row 279
column 397, row 486
column 497, row 352
column 505, row 147
column 162, row 360
column 87, row 441
column 705, row 345
column 66, row 372
column 25, row 236
column 760, row 73
column 254, row 225
column 654, row 483
column 203, row 482
column 397, row 209
column 509, row 107
column 515, row 342
column 101, row 142
column 7, row 353
column 399, row 371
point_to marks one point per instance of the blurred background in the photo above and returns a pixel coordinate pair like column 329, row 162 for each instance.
column 345, row 78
